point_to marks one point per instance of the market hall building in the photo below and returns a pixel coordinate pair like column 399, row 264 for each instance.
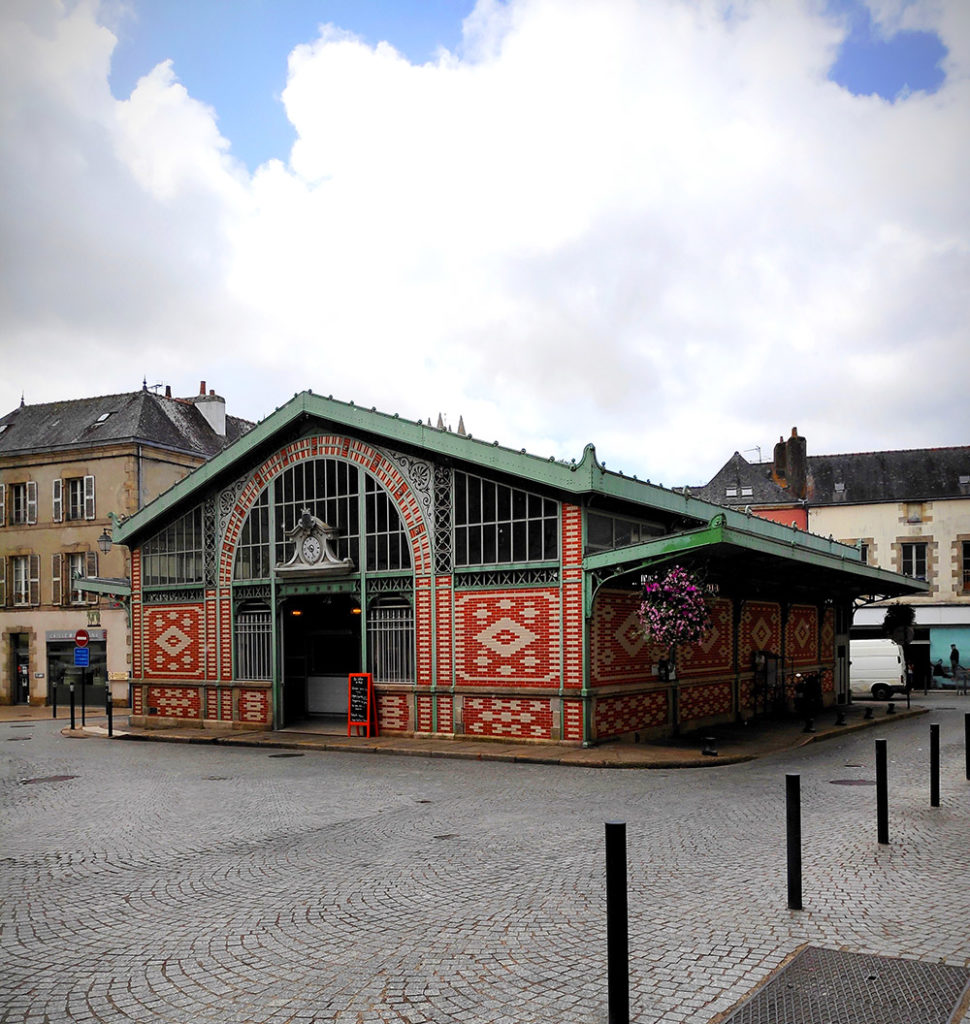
column 489, row 592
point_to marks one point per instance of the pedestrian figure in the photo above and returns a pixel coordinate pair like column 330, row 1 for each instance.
column 954, row 660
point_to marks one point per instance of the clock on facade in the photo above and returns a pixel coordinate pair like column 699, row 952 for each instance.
column 311, row 549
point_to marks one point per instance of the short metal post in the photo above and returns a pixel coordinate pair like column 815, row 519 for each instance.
column 794, row 819
column 882, row 792
column 617, row 940
column 109, row 710
column 84, row 697
column 54, row 700
column 935, row 765
column 73, row 726
column 966, row 740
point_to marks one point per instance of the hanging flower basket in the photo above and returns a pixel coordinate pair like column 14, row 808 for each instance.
column 673, row 610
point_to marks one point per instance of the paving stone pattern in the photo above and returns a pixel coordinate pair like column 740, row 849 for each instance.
column 163, row 882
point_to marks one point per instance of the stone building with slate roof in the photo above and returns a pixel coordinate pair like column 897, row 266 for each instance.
column 486, row 592
column 64, row 466
column 907, row 511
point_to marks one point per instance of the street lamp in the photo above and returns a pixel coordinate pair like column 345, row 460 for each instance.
column 104, row 542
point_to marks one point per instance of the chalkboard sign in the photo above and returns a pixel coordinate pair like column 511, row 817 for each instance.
column 361, row 702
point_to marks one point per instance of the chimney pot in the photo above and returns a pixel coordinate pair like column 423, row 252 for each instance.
column 168, row 390
column 201, row 387
column 212, row 391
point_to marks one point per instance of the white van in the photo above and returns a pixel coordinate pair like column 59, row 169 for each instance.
column 876, row 668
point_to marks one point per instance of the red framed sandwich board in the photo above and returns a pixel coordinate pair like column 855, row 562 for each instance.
column 361, row 703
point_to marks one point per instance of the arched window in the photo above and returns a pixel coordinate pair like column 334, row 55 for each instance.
column 329, row 489
column 252, row 552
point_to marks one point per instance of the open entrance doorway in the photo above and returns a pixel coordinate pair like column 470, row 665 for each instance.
column 321, row 647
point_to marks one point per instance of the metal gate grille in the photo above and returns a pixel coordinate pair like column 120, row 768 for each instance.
column 253, row 644
column 390, row 636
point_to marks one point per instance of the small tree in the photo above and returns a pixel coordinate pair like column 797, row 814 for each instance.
column 898, row 622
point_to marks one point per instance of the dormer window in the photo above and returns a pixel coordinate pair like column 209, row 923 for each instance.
column 101, row 419
column 731, row 492
column 747, row 492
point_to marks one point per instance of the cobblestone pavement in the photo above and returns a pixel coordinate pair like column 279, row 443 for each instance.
column 163, row 882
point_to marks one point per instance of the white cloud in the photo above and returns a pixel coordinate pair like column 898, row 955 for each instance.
column 656, row 226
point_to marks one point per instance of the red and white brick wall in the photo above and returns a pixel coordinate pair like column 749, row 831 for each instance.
column 801, row 635
column 512, row 718
column 508, row 638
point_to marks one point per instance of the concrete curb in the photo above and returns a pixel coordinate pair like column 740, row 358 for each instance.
column 774, row 738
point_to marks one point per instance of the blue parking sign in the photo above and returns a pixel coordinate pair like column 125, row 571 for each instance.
column 82, row 657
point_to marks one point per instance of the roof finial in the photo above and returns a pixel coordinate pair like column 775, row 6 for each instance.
column 21, row 399
column 144, row 383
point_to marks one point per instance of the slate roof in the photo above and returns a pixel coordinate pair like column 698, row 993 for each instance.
column 140, row 416
column 918, row 474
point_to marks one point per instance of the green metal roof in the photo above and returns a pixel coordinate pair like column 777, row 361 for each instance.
column 815, row 559
column 577, row 481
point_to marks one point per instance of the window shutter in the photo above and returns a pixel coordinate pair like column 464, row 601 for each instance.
column 89, row 497
column 57, row 500
column 3, row 503
column 31, row 502
column 4, row 589
column 34, row 580
column 91, row 569
column 56, row 596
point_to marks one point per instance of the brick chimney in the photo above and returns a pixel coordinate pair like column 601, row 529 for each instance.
column 796, row 459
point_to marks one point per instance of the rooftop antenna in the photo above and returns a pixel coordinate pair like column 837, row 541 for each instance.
column 756, row 448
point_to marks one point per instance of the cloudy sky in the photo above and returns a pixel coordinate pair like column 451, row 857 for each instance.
column 674, row 228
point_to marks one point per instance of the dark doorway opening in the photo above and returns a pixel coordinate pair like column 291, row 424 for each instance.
column 20, row 644
column 321, row 647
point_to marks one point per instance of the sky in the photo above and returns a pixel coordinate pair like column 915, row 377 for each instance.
column 672, row 228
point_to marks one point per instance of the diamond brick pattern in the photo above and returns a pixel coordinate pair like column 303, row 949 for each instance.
column 174, row 642
column 615, row 716
column 715, row 653
column 499, row 716
column 705, row 701
column 760, row 630
column 507, row 637
column 801, row 635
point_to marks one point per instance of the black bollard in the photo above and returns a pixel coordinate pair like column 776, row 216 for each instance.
column 890, row 708
column 108, row 710
column 882, row 793
column 54, row 700
column 868, row 714
column 809, row 725
column 934, row 765
column 84, row 697
column 72, row 706
column 793, row 815
column 617, row 939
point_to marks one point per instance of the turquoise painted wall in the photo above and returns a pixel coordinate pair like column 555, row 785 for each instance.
column 940, row 639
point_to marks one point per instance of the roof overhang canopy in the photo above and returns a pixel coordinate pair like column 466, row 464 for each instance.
column 805, row 564
column 113, row 587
